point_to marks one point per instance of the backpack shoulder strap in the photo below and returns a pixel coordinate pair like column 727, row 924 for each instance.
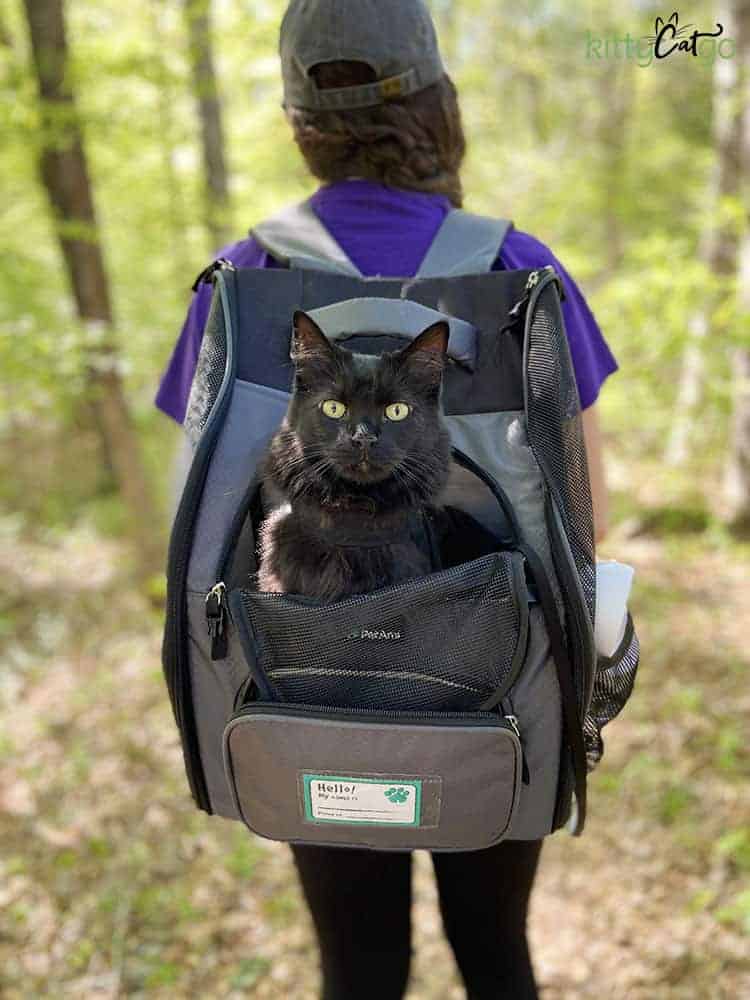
column 297, row 238
column 464, row 244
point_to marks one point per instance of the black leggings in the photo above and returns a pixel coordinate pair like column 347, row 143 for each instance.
column 361, row 901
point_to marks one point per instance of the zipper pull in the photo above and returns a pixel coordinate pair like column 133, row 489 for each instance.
column 216, row 619
column 513, row 722
column 220, row 264
column 515, row 311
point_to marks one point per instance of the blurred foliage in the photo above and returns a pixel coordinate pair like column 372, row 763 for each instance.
column 606, row 161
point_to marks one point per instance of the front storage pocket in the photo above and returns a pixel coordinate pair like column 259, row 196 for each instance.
column 383, row 780
column 448, row 641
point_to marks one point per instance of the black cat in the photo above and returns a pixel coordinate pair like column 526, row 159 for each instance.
column 361, row 451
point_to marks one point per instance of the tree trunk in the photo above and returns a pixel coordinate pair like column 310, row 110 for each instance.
column 6, row 39
column 720, row 241
column 182, row 264
column 216, row 203
column 617, row 86
column 65, row 176
column 737, row 480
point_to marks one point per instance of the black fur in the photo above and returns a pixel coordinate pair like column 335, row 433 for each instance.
column 349, row 488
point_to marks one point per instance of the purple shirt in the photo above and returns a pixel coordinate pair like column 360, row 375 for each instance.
column 387, row 231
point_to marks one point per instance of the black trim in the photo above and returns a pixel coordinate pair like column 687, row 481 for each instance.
column 175, row 660
column 240, row 515
column 499, row 493
column 572, row 728
column 579, row 627
column 249, row 643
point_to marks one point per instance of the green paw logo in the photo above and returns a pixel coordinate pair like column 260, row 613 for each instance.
column 397, row 795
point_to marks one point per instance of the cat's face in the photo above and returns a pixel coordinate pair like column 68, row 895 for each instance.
column 365, row 418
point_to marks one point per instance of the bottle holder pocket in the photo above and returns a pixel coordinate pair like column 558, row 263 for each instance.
column 453, row 640
column 381, row 780
column 613, row 685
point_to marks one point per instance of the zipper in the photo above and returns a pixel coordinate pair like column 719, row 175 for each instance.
column 175, row 666
column 578, row 648
column 243, row 694
column 507, row 721
column 531, row 283
column 240, row 515
column 369, row 715
column 216, row 620
column 570, row 591
column 220, row 264
column 235, row 528
column 512, row 719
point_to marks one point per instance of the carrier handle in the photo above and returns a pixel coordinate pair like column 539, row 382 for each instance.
column 395, row 317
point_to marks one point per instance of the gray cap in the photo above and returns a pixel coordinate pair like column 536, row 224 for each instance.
column 395, row 37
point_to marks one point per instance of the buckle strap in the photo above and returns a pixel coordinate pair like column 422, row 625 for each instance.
column 297, row 238
column 464, row 244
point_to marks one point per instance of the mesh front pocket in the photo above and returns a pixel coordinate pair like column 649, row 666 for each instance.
column 446, row 641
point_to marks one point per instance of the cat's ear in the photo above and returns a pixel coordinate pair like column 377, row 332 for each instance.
column 434, row 340
column 425, row 355
column 308, row 339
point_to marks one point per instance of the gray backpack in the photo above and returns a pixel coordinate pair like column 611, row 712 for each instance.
column 446, row 712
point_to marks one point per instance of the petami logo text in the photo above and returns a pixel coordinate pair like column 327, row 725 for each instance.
column 669, row 38
column 377, row 633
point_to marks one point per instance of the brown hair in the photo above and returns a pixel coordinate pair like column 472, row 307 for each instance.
column 416, row 142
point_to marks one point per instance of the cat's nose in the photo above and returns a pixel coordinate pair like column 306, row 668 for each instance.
column 364, row 434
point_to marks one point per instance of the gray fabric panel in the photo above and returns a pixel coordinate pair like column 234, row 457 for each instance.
column 498, row 442
column 464, row 244
column 295, row 236
column 536, row 702
column 254, row 414
column 395, row 316
column 478, row 767
column 213, row 686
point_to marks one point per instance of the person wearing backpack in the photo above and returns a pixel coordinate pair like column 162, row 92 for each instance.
column 378, row 123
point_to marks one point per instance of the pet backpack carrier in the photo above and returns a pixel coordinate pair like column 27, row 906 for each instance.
column 445, row 712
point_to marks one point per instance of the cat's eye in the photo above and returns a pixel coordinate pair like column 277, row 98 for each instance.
column 333, row 408
column 397, row 411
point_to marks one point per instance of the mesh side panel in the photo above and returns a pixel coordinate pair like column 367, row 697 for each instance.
column 209, row 372
column 445, row 641
column 613, row 684
column 556, row 434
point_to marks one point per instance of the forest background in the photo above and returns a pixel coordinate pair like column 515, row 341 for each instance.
column 136, row 143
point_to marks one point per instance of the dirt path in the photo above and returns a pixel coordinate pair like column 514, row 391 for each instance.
column 113, row 885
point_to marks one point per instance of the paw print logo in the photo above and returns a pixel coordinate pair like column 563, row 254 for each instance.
column 397, row 795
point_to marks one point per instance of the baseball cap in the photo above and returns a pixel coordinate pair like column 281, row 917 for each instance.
column 395, row 37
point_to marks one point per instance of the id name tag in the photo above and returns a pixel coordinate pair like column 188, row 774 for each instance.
column 349, row 799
